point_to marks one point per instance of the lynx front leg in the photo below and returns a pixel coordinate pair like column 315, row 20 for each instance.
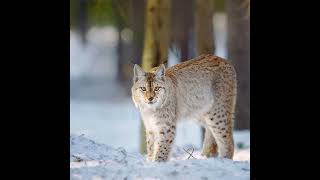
column 209, row 145
column 150, row 145
column 164, row 138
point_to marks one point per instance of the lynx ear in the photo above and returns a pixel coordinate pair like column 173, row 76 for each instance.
column 138, row 72
column 160, row 71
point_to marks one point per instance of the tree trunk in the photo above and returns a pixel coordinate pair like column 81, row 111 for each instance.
column 83, row 20
column 238, row 43
column 120, row 25
column 138, row 7
column 156, row 41
column 182, row 23
column 120, row 52
column 156, row 33
column 136, row 24
column 204, row 36
column 204, row 27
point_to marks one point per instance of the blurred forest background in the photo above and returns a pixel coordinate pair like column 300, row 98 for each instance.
column 108, row 36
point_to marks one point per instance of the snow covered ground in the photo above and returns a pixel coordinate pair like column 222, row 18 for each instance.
column 90, row 160
column 104, row 144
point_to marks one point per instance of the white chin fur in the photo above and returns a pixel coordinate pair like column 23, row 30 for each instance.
column 147, row 106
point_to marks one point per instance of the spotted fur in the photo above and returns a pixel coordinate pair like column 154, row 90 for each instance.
column 203, row 89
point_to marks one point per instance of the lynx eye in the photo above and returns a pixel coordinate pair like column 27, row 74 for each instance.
column 156, row 88
column 143, row 88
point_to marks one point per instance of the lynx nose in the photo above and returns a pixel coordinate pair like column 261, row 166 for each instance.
column 150, row 98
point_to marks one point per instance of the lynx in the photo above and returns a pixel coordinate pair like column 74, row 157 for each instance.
column 203, row 89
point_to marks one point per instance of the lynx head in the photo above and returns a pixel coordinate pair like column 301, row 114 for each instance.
column 149, row 88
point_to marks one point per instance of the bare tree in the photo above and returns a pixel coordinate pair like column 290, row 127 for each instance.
column 204, row 26
column 157, row 33
column 238, row 27
column 182, row 24
column 137, row 25
column 121, row 10
column 83, row 20
column 129, row 18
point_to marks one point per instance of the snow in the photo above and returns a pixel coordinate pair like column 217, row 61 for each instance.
column 91, row 160
column 94, row 59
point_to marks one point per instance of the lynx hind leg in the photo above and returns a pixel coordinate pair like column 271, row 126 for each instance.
column 220, row 123
column 220, row 119
column 209, row 148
